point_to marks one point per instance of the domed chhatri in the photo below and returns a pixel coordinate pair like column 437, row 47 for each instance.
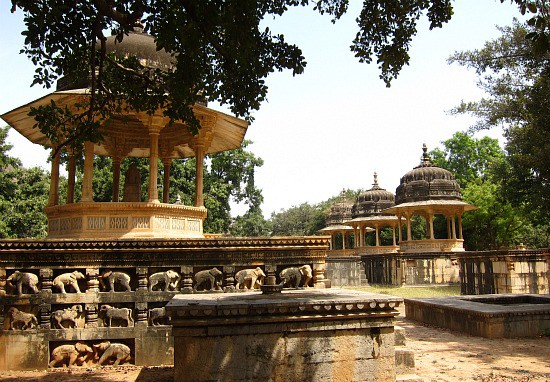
column 373, row 201
column 335, row 222
column 427, row 182
column 426, row 191
column 128, row 134
column 369, row 215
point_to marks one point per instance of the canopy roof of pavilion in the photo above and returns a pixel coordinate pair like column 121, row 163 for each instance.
column 127, row 134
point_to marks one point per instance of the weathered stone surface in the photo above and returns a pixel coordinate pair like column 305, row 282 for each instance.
column 491, row 316
column 313, row 335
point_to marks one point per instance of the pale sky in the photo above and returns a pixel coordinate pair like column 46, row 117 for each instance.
column 335, row 125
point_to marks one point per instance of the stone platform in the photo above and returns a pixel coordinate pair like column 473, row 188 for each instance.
column 491, row 316
column 154, row 269
column 306, row 335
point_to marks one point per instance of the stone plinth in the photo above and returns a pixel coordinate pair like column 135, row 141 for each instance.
column 434, row 245
column 95, row 220
column 306, row 335
column 490, row 315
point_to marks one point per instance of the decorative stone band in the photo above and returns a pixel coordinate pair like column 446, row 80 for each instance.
column 192, row 310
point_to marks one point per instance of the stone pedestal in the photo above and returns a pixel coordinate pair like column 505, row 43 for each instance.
column 306, row 335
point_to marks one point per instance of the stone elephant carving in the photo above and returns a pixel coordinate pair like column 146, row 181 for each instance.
column 77, row 354
column 121, row 278
column 249, row 278
column 170, row 279
column 68, row 279
column 294, row 276
column 21, row 320
column 68, row 314
column 20, row 279
column 119, row 351
column 208, row 276
column 121, row 314
column 157, row 316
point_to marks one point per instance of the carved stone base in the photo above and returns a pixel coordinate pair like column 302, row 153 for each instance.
column 308, row 335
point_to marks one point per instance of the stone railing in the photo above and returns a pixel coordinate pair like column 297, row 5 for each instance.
column 436, row 245
column 124, row 220
column 377, row 250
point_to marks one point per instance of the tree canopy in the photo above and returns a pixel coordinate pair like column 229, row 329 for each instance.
column 218, row 49
column 517, row 83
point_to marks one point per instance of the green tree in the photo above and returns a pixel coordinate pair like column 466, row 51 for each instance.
column 517, row 80
column 23, row 195
column 216, row 49
column 468, row 158
column 251, row 224
column 302, row 220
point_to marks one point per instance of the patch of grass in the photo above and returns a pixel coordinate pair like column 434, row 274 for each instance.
column 413, row 291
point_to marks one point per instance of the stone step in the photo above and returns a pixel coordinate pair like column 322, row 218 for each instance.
column 400, row 335
column 404, row 360
column 408, row 378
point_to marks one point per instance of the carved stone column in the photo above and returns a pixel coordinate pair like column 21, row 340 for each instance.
column 271, row 270
column 44, row 316
column 91, row 316
column 229, row 278
column 199, row 154
column 92, row 283
column 2, row 282
column 142, row 281
column 53, row 199
column 167, row 163
column 87, row 189
column 2, row 317
column 153, row 166
column 71, row 177
column 187, row 279
column 46, row 280
column 318, row 275
column 141, row 314
column 116, row 178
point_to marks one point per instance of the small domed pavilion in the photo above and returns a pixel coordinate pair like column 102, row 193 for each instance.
column 338, row 215
column 130, row 134
column 368, row 214
column 426, row 191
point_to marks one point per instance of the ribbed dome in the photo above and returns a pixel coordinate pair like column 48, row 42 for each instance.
column 339, row 212
column 373, row 201
column 137, row 43
column 427, row 182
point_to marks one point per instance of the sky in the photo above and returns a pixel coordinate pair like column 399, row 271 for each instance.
column 335, row 125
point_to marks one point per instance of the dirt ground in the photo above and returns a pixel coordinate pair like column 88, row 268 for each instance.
column 440, row 355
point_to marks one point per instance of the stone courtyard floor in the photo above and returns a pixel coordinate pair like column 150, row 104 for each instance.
column 440, row 355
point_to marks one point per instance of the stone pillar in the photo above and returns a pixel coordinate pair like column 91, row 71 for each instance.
column 167, row 162
column 400, row 228
column 46, row 280
column 92, row 276
column 141, row 314
column 343, row 240
column 459, row 226
column 229, row 278
column 199, row 154
column 44, row 316
column 2, row 283
column 53, row 199
column 87, row 188
column 318, row 275
column 393, row 235
column 187, row 279
column 142, row 280
column 409, row 230
column 377, row 229
column 116, row 178
column 91, row 315
column 71, row 177
column 271, row 271
column 153, row 167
